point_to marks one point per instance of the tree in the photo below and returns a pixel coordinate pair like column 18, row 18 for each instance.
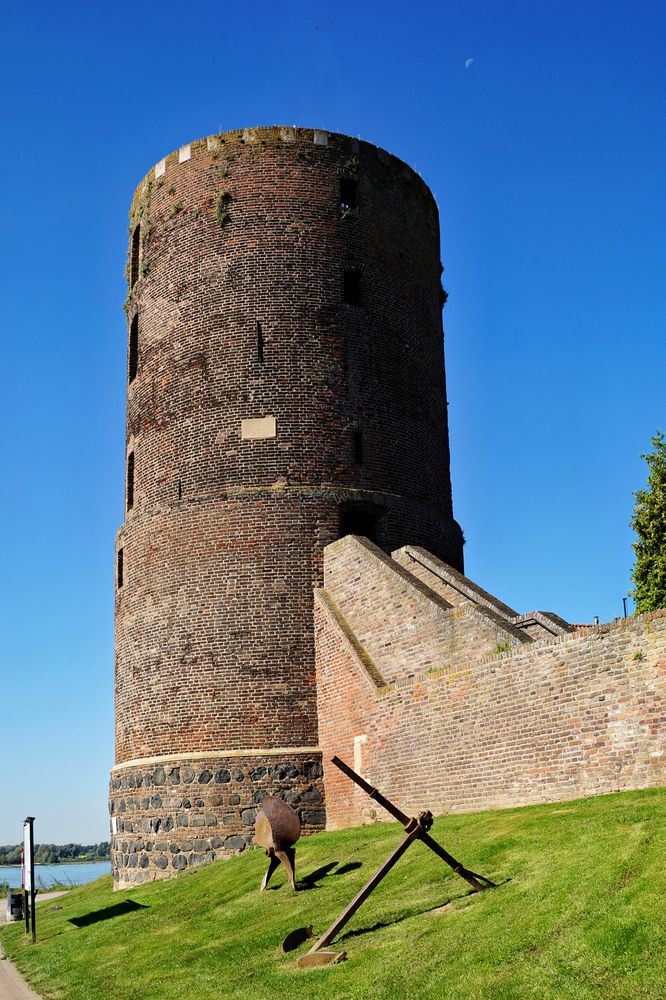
column 649, row 523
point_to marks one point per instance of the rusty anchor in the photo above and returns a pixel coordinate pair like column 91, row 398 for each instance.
column 277, row 828
column 415, row 829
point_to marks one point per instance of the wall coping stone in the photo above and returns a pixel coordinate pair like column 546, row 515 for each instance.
column 354, row 648
column 457, row 581
column 204, row 755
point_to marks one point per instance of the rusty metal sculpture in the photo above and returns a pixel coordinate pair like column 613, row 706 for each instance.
column 277, row 828
column 415, row 829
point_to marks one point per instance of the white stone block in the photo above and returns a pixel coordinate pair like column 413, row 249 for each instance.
column 160, row 168
column 184, row 153
column 258, row 427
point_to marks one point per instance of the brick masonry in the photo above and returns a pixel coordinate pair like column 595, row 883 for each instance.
column 285, row 393
column 434, row 717
column 265, row 415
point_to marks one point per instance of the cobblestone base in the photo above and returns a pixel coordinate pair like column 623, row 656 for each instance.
column 170, row 815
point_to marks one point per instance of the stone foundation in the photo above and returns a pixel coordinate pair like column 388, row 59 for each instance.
column 176, row 812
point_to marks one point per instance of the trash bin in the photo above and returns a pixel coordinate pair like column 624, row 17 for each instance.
column 14, row 906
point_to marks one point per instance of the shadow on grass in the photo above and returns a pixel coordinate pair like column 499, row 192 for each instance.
column 417, row 913
column 349, row 867
column 310, row 881
column 108, row 913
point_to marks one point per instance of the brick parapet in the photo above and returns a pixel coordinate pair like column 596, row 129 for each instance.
column 271, row 136
column 359, row 578
column 458, row 590
column 448, row 582
column 328, row 610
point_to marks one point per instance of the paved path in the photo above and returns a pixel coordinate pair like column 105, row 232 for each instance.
column 12, row 986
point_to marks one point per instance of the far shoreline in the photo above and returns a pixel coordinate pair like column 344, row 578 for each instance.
column 66, row 861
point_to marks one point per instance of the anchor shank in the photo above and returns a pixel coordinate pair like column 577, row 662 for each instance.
column 372, row 792
column 360, row 897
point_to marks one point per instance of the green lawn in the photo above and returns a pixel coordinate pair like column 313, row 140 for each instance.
column 580, row 913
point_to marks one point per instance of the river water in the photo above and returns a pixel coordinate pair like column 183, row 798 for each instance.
column 48, row 875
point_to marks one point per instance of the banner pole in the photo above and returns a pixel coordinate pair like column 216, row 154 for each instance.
column 29, row 868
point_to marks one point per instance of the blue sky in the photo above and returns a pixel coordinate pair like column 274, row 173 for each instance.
column 546, row 156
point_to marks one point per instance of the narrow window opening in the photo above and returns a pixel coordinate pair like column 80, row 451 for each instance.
column 180, row 489
column 260, row 344
column 119, row 569
column 135, row 253
column 134, row 348
column 130, row 480
column 352, row 288
column 348, row 189
column 358, row 447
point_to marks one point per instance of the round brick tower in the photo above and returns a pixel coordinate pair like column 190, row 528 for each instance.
column 285, row 386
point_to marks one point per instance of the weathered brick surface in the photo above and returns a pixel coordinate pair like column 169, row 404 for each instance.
column 576, row 715
column 398, row 620
column 239, row 267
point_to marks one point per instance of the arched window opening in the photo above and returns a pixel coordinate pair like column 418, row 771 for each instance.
column 365, row 519
column 119, row 569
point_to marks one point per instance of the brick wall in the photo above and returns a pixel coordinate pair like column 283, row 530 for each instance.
column 576, row 715
column 398, row 620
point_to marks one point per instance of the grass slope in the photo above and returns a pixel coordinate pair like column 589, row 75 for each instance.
column 581, row 913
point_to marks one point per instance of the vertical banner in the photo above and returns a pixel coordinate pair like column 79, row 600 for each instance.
column 28, row 860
